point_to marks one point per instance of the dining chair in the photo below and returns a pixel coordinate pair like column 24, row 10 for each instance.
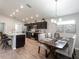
column 68, row 51
column 49, row 35
column 56, row 35
column 4, row 41
column 0, row 35
column 42, row 46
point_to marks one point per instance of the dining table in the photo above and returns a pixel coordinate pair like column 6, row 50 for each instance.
column 52, row 44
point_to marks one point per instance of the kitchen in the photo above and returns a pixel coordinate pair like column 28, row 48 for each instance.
column 40, row 29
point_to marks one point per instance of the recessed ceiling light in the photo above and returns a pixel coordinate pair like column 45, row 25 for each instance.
column 31, row 17
column 13, row 13
column 17, row 10
column 23, row 19
column 53, row 21
column 37, row 15
column 21, row 6
column 26, row 18
column 60, row 19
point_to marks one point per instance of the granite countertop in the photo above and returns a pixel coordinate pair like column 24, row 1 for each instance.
column 11, row 34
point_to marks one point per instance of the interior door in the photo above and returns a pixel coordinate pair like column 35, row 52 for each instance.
column 1, row 27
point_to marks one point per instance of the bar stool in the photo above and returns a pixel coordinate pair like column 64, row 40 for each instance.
column 4, row 41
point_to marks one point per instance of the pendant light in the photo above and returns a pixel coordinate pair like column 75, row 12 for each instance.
column 56, row 7
column 54, row 20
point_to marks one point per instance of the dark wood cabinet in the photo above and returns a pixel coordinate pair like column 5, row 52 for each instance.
column 29, row 35
column 40, row 25
column 20, row 41
column 44, row 25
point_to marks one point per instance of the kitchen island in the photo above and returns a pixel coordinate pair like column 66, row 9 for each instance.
column 17, row 40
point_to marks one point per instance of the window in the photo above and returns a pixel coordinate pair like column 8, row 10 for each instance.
column 18, row 28
column 68, row 26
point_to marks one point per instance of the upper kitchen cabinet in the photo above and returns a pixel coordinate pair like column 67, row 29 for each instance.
column 40, row 25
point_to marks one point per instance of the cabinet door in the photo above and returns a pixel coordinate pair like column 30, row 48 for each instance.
column 2, row 27
column 44, row 25
column 20, row 41
column 39, row 25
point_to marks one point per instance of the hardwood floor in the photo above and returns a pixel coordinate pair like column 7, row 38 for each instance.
column 30, row 51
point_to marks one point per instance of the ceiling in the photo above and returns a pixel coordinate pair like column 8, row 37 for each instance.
column 44, row 8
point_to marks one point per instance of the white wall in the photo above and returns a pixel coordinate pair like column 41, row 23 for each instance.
column 74, row 17
column 51, row 27
column 9, row 23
